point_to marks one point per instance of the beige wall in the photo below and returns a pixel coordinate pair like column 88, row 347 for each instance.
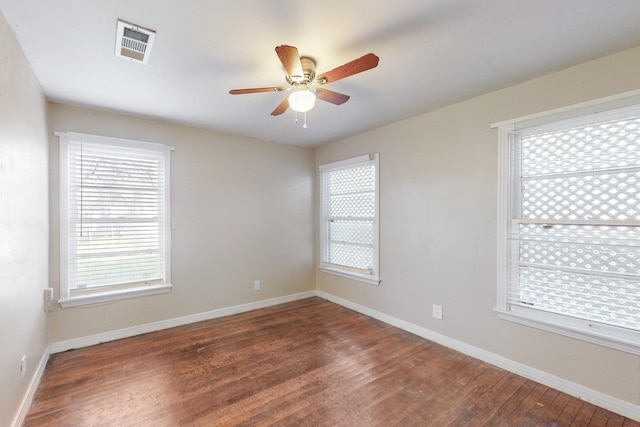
column 23, row 222
column 438, row 198
column 243, row 210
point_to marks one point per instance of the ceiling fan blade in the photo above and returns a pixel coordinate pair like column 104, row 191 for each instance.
column 290, row 59
column 257, row 90
column 332, row 97
column 356, row 66
column 281, row 108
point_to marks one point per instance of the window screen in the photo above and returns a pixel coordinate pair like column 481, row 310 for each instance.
column 349, row 214
column 574, row 238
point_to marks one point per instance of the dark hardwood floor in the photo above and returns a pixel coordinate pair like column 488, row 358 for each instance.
column 306, row 363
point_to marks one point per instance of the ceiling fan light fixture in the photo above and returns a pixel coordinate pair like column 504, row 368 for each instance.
column 301, row 76
column 302, row 100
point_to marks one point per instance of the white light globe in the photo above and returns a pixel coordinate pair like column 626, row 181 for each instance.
column 302, row 101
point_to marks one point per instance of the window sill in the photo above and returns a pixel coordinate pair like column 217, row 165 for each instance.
column 607, row 336
column 366, row 278
column 113, row 295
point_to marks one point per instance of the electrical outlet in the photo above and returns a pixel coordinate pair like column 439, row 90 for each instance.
column 23, row 366
column 48, row 299
column 437, row 311
column 256, row 285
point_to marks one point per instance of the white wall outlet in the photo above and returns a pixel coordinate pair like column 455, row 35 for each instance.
column 437, row 311
column 23, row 366
column 256, row 285
column 48, row 299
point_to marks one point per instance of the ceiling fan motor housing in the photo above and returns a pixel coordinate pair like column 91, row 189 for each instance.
column 308, row 71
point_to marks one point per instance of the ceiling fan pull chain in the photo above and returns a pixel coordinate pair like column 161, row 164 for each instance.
column 305, row 121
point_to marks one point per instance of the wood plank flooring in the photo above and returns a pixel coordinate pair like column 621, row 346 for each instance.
column 306, row 363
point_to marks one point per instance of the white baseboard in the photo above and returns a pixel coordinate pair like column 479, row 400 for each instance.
column 23, row 410
column 87, row 341
column 605, row 401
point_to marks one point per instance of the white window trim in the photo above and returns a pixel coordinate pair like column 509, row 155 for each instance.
column 361, row 277
column 66, row 300
column 114, row 295
column 609, row 336
column 373, row 278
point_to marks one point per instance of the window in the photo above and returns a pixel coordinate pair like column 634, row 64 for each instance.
column 349, row 218
column 570, row 226
column 114, row 219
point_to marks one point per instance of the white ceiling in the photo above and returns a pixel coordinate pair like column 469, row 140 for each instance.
column 432, row 53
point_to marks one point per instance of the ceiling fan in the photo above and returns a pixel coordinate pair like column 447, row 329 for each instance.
column 306, row 86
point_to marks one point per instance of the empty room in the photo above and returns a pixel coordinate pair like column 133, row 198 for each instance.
column 296, row 213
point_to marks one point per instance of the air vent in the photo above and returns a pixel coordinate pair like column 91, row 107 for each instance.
column 134, row 42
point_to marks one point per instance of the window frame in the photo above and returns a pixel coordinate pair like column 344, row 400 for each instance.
column 606, row 335
column 372, row 278
column 110, row 292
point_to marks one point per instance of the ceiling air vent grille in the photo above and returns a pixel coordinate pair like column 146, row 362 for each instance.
column 134, row 42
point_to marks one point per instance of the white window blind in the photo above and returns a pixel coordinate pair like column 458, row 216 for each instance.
column 350, row 216
column 115, row 204
column 573, row 240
